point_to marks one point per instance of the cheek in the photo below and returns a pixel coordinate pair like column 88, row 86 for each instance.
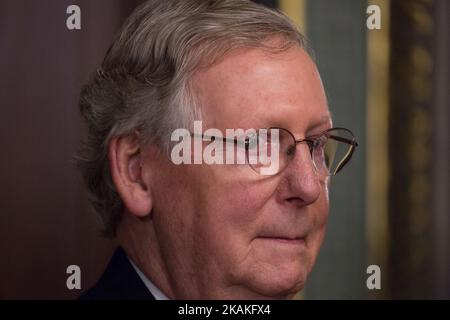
column 230, row 215
column 320, row 224
column 173, row 213
column 324, row 202
column 243, row 203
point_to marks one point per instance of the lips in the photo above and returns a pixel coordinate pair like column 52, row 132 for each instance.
column 284, row 239
column 286, row 233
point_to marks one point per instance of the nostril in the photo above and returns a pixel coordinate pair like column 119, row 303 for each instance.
column 303, row 189
column 295, row 200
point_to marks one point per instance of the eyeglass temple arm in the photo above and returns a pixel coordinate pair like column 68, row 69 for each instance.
column 348, row 141
column 353, row 144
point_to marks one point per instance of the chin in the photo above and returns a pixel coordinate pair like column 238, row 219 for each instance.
column 281, row 283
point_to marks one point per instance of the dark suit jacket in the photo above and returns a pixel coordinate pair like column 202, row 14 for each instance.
column 119, row 282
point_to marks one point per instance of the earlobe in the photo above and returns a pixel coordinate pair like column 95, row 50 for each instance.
column 126, row 171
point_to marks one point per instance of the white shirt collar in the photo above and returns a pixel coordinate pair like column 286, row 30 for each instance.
column 154, row 290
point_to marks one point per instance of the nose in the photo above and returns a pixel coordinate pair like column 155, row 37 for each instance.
column 303, row 180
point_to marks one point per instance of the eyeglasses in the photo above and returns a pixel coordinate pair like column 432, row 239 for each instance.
column 330, row 150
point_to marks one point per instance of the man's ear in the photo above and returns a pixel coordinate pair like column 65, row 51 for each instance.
column 125, row 156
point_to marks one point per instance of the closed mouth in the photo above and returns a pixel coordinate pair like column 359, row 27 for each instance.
column 285, row 240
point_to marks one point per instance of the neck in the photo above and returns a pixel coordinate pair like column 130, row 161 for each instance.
column 137, row 237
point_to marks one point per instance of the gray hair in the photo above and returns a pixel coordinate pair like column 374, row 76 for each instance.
column 144, row 81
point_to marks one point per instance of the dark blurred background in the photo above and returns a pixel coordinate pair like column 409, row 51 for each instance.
column 390, row 207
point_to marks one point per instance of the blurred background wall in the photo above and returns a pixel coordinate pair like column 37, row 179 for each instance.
column 45, row 221
column 389, row 207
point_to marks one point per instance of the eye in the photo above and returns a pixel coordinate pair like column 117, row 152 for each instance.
column 320, row 141
column 319, row 154
column 290, row 152
column 251, row 142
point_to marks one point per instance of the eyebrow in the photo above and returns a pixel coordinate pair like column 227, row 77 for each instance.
column 321, row 122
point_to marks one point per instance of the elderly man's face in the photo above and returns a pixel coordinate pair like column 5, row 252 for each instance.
column 224, row 230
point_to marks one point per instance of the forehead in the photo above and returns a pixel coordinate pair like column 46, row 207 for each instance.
column 253, row 88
